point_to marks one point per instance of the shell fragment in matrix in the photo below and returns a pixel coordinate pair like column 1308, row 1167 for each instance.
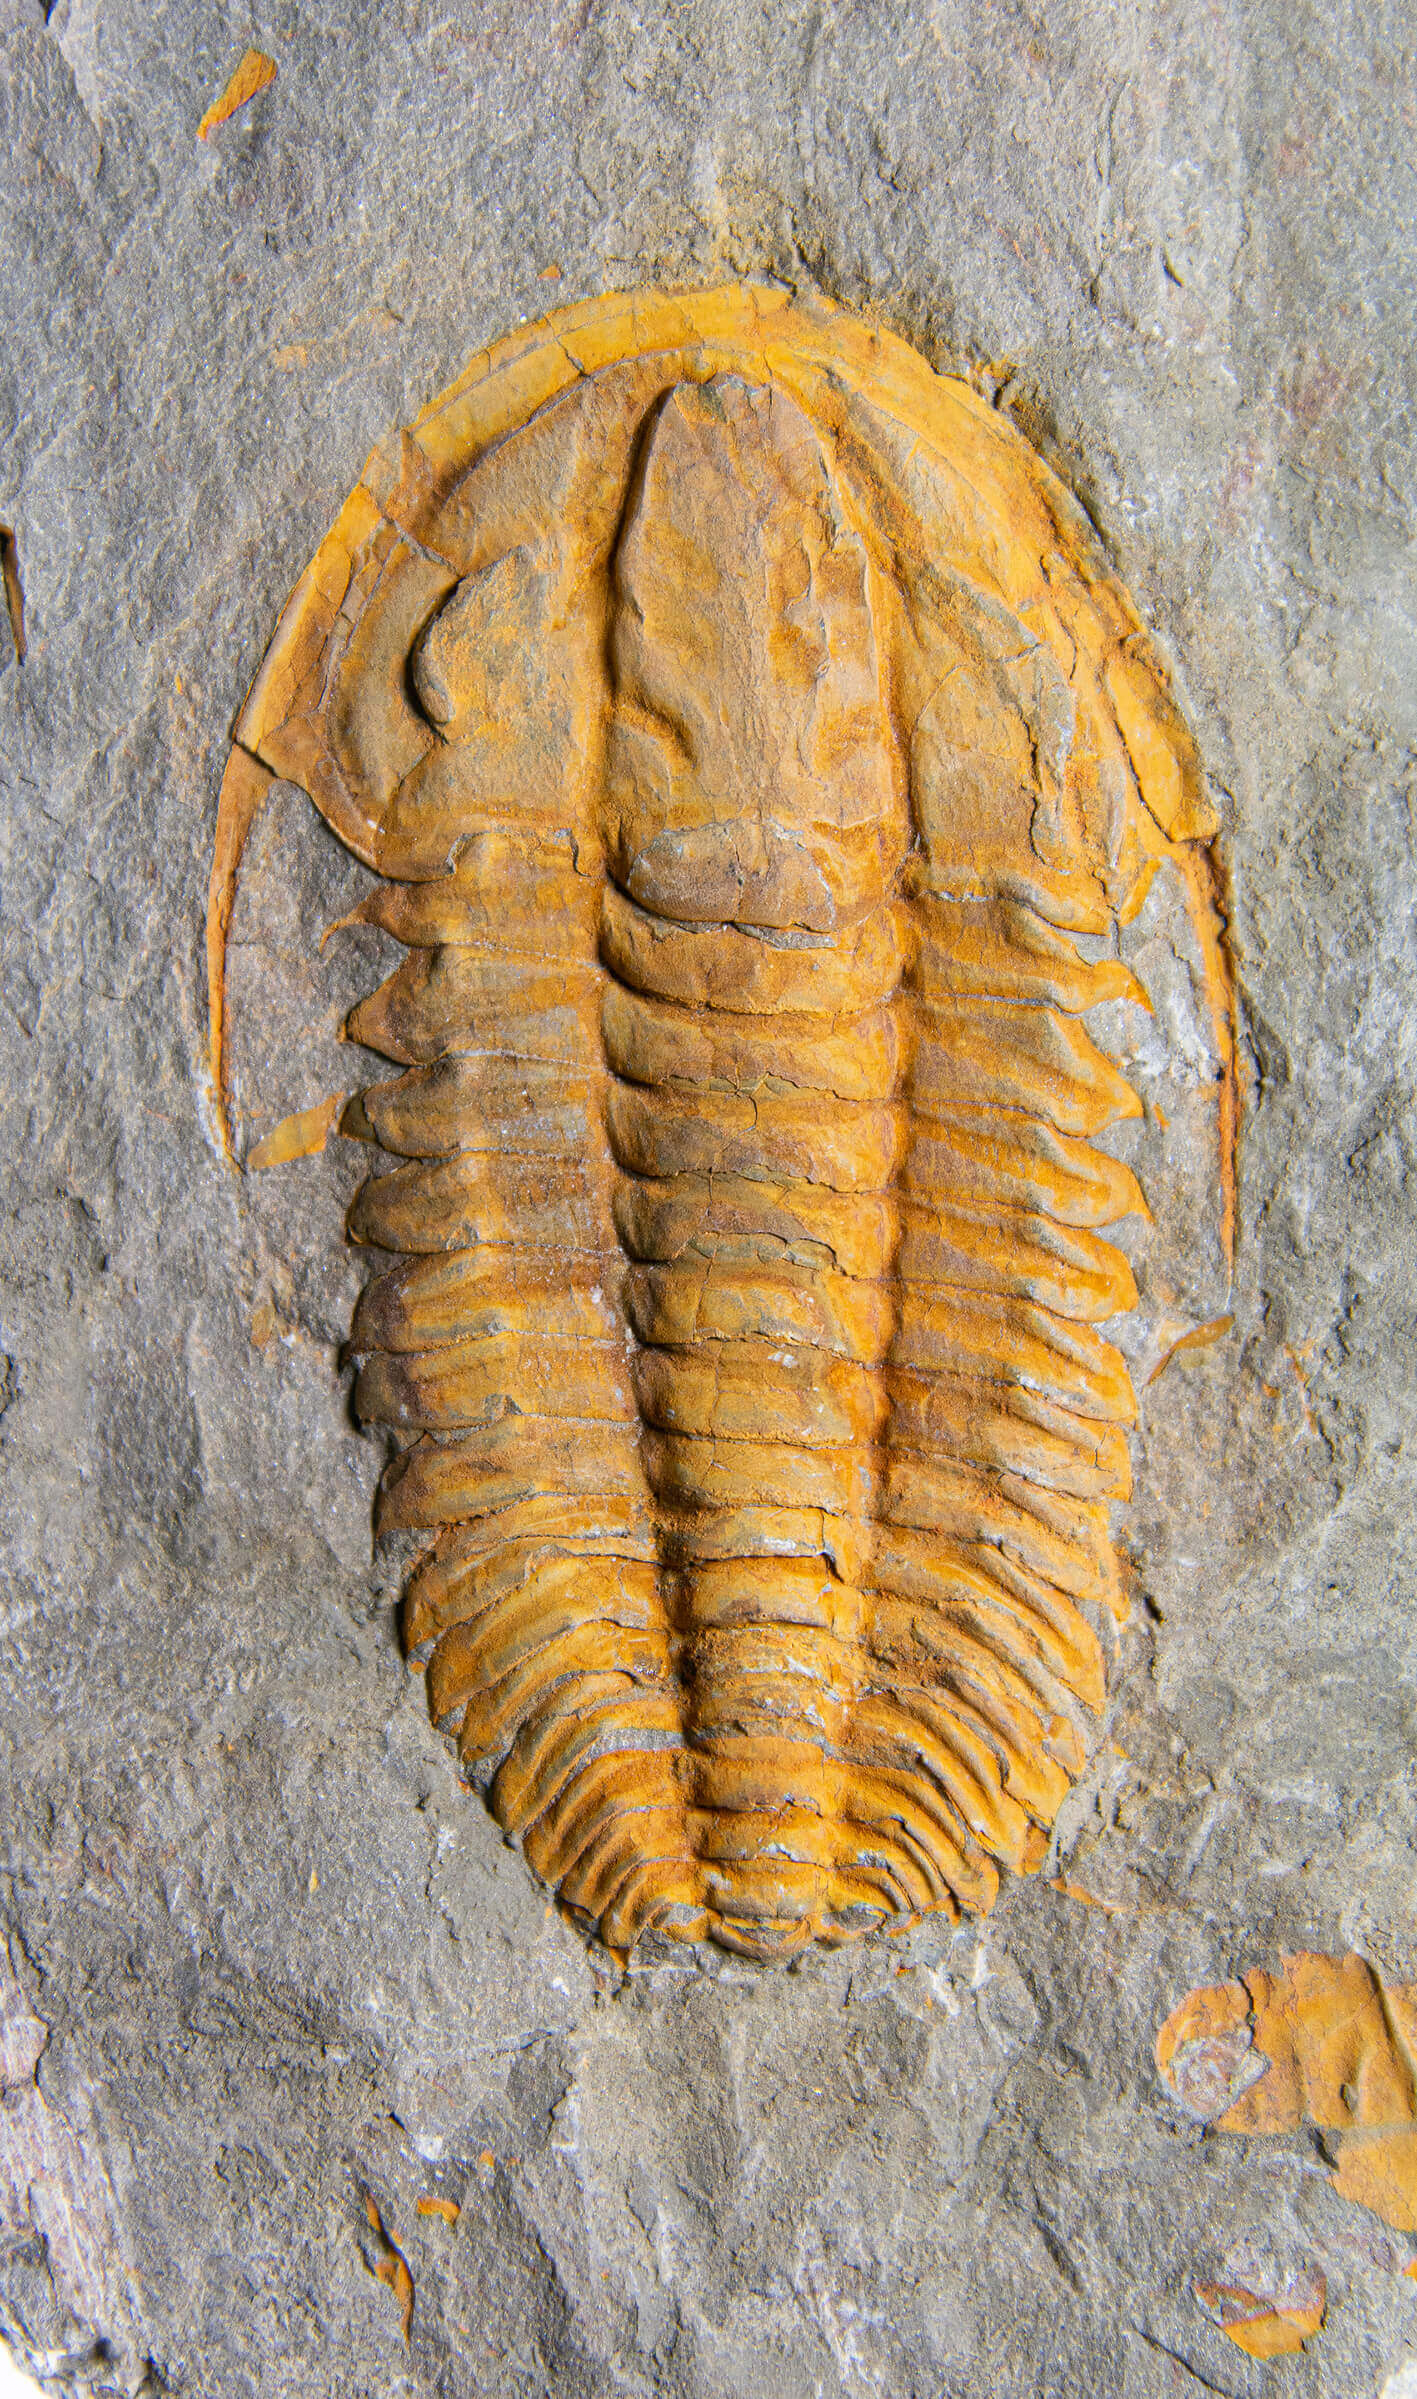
column 757, row 758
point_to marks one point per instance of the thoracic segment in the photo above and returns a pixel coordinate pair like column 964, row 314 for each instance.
column 743, row 1345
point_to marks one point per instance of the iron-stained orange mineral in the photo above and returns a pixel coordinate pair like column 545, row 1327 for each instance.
column 1328, row 2041
column 758, row 760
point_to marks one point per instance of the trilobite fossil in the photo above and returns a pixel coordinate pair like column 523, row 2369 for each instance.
column 757, row 759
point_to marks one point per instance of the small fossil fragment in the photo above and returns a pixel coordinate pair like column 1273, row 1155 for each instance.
column 251, row 76
column 300, row 1136
column 390, row 2265
column 1263, row 2310
column 1201, row 1336
column 1325, row 2041
column 757, row 758
column 13, row 590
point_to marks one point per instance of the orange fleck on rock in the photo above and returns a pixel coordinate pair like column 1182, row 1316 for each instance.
column 391, row 2266
column 1068, row 1889
column 448, row 2209
column 252, row 76
column 551, row 274
column 1266, row 2325
column 301, row 1136
column 13, row 590
column 1204, row 1336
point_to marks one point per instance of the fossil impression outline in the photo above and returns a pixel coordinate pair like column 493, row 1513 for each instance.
column 758, row 758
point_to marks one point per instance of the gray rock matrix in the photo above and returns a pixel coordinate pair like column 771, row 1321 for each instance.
column 262, row 1960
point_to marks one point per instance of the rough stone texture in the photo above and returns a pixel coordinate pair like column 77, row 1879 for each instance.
column 264, row 1957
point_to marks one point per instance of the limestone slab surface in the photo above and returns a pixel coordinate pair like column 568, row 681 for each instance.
column 307, row 2088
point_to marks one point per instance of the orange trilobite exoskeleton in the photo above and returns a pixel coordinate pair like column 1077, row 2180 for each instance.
column 758, row 760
